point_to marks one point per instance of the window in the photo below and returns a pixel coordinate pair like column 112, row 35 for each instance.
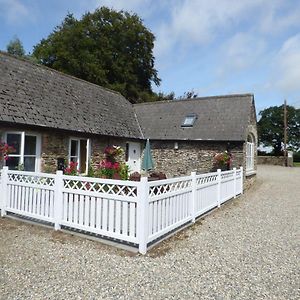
column 27, row 150
column 30, row 153
column 189, row 120
column 79, row 153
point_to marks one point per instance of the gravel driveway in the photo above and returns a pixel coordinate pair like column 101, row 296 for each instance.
column 248, row 249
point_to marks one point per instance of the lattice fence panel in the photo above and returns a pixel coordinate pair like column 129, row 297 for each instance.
column 98, row 187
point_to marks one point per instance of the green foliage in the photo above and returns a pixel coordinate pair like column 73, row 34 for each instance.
column 188, row 95
column 109, row 48
column 296, row 156
column 15, row 47
column 124, row 171
column 271, row 125
column 91, row 171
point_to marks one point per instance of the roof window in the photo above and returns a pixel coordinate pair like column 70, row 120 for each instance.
column 189, row 120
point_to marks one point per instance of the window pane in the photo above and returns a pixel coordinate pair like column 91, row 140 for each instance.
column 14, row 140
column 83, row 148
column 29, row 164
column 189, row 121
column 12, row 163
column 74, row 148
column 74, row 159
column 30, row 145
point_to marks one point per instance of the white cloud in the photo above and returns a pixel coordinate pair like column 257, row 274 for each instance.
column 199, row 22
column 240, row 52
column 288, row 65
column 13, row 11
column 280, row 16
column 136, row 6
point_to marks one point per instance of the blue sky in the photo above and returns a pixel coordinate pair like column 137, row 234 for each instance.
column 213, row 47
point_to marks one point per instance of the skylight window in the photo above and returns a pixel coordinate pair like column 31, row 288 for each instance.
column 189, row 120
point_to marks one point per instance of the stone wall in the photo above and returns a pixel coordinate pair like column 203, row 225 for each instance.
column 274, row 160
column 249, row 181
column 54, row 146
column 191, row 156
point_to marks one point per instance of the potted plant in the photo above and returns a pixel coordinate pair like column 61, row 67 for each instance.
column 223, row 161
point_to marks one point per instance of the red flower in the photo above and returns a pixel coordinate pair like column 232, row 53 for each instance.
column 72, row 168
column 116, row 166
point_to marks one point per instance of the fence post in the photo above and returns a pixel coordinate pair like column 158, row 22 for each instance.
column 193, row 200
column 143, row 214
column 58, row 199
column 234, row 182
column 219, row 187
column 242, row 180
column 3, row 195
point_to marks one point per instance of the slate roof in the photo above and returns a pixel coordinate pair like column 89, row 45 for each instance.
column 219, row 118
column 35, row 95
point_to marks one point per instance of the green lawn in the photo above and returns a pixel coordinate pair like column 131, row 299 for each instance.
column 296, row 164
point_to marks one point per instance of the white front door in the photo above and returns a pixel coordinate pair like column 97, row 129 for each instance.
column 134, row 157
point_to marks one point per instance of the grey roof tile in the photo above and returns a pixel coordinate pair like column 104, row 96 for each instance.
column 222, row 118
column 35, row 95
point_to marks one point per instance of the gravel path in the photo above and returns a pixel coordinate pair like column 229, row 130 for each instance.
column 248, row 249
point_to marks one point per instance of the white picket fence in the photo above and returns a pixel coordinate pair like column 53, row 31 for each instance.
column 127, row 211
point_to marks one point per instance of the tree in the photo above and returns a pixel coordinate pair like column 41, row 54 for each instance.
column 270, row 128
column 15, row 47
column 188, row 95
column 109, row 48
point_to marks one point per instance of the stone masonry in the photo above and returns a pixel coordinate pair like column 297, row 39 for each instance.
column 191, row 156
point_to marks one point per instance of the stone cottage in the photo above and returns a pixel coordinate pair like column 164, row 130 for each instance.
column 49, row 117
column 185, row 135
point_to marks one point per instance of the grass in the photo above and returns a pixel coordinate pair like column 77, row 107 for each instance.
column 296, row 164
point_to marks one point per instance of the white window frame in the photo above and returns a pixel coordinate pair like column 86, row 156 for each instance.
column 22, row 148
column 88, row 152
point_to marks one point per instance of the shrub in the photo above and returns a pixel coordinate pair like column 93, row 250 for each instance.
column 72, row 169
column 296, row 156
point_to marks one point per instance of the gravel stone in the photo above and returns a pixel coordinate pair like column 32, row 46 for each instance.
column 247, row 249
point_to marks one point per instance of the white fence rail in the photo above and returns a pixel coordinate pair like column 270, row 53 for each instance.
column 127, row 211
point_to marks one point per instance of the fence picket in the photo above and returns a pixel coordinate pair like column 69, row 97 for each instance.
column 86, row 211
column 92, row 214
column 111, row 215
column 118, row 217
column 105, row 215
column 98, row 213
column 125, row 218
